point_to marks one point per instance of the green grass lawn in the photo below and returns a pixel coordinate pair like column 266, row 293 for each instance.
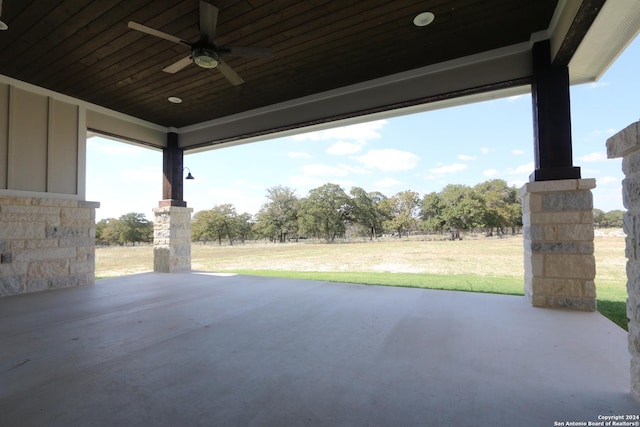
column 612, row 302
column 468, row 283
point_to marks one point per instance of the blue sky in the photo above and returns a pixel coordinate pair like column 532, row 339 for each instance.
column 421, row 152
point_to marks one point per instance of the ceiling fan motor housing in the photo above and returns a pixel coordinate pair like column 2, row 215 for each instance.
column 205, row 56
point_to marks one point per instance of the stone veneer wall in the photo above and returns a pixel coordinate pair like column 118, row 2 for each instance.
column 45, row 243
column 626, row 144
column 172, row 239
column 558, row 244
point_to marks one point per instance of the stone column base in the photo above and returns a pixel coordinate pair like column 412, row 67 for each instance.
column 172, row 239
column 558, row 244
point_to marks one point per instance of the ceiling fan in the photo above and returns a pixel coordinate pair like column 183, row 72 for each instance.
column 204, row 52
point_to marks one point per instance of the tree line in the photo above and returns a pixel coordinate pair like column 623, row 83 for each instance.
column 611, row 219
column 329, row 212
column 129, row 228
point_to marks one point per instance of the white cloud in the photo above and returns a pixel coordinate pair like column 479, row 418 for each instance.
column 484, row 150
column 465, row 157
column 359, row 132
column 523, row 169
column 517, row 152
column 456, row 167
column 607, row 180
column 489, row 172
column 354, row 169
column 343, row 148
column 323, row 170
column 426, row 176
column 596, row 85
column 305, row 183
column 597, row 156
column 516, row 183
column 301, row 181
column 386, row 182
column 299, row 155
column 389, row 160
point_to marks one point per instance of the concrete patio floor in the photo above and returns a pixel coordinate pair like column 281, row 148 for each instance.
column 201, row 349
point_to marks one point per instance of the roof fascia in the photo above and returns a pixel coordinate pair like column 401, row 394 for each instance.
column 615, row 27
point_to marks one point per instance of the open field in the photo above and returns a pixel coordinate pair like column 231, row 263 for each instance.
column 480, row 265
column 483, row 257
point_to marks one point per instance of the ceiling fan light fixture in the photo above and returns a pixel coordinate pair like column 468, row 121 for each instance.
column 204, row 57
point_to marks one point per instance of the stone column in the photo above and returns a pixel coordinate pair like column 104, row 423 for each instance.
column 626, row 144
column 172, row 239
column 558, row 244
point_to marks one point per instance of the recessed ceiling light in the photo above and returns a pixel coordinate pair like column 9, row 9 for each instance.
column 174, row 99
column 423, row 19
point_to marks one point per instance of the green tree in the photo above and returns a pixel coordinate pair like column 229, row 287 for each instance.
column 598, row 218
column 502, row 205
column 491, row 205
column 431, row 212
column 112, row 232
column 129, row 228
column 402, row 210
column 366, row 210
column 100, row 228
column 215, row 224
column 278, row 218
column 613, row 219
column 199, row 230
column 244, row 226
column 135, row 228
column 324, row 212
column 462, row 208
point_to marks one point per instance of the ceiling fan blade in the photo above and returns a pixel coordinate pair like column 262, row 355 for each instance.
column 255, row 52
column 177, row 66
column 154, row 32
column 231, row 75
column 208, row 20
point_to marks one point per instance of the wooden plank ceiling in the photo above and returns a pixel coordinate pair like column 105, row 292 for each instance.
column 84, row 49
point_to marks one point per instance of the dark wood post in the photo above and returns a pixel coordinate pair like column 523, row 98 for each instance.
column 172, row 167
column 551, row 118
